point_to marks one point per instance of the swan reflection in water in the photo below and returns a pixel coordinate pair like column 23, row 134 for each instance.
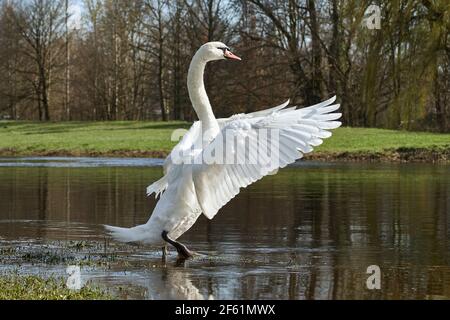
column 173, row 284
column 166, row 283
column 170, row 284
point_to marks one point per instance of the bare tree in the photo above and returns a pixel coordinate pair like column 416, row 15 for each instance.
column 41, row 25
column 12, row 89
column 67, row 66
column 157, row 34
column 129, row 59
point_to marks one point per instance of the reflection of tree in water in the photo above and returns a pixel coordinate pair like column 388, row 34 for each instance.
column 391, row 217
column 313, row 231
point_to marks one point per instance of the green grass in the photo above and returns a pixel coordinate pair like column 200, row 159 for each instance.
column 31, row 287
column 102, row 137
column 125, row 138
column 378, row 140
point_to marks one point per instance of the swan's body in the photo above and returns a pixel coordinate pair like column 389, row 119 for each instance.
column 190, row 186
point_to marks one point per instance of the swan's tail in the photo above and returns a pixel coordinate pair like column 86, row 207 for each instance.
column 134, row 234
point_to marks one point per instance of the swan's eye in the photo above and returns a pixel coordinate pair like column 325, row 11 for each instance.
column 223, row 49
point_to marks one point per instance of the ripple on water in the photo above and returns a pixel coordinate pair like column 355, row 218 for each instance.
column 79, row 162
column 310, row 232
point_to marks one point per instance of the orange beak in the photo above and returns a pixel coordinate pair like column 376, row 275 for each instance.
column 231, row 56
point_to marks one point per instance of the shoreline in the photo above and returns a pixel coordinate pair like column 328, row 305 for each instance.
column 400, row 155
column 153, row 139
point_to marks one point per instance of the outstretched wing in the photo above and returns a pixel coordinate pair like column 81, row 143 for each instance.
column 185, row 146
column 290, row 132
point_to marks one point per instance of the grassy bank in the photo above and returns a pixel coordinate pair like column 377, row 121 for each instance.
column 31, row 287
column 152, row 139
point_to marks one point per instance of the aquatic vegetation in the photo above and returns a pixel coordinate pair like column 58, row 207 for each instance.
column 81, row 253
column 33, row 287
column 19, row 265
column 7, row 251
column 47, row 257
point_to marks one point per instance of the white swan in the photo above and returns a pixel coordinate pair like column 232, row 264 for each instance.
column 191, row 185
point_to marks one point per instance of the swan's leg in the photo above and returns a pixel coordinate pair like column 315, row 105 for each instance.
column 182, row 250
column 164, row 253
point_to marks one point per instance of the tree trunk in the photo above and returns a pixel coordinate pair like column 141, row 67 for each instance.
column 43, row 91
column 160, row 65
column 333, row 58
column 160, row 85
column 67, row 71
column 316, row 79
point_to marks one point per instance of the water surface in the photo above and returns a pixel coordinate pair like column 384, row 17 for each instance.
column 309, row 232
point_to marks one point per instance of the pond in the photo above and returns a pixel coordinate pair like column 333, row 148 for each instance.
column 309, row 232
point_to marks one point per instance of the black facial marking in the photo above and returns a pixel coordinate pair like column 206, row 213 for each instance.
column 223, row 49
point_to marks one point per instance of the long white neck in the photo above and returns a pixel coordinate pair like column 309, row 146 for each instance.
column 198, row 96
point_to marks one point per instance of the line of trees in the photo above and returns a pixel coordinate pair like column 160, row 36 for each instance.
column 128, row 60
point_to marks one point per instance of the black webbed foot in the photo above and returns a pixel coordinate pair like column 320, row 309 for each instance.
column 183, row 251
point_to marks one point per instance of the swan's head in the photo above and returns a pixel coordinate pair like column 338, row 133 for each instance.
column 216, row 51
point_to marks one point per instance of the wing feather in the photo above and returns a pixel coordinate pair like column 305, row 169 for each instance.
column 184, row 147
column 299, row 131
